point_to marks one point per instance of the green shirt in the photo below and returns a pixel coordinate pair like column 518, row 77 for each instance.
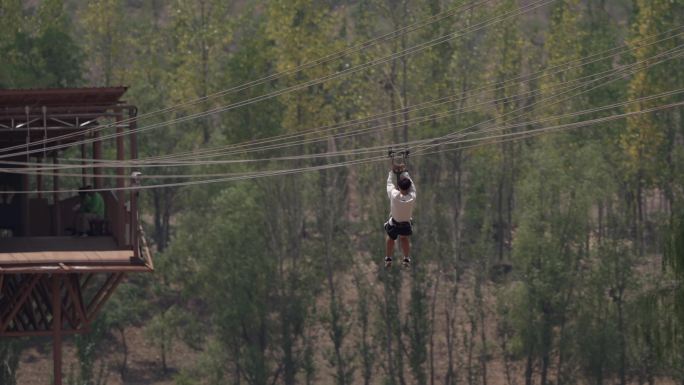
column 94, row 204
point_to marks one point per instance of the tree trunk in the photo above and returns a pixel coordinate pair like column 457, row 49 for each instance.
column 640, row 216
column 546, row 347
column 483, row 335
column 450, row 329
column 471, row 345
column 433, row 308
column 529, row 369
column 621, row 332
column 204, row 49
column 389, row 325
column 124, row 363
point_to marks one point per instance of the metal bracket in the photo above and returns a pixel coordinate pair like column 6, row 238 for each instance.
column 399, row 158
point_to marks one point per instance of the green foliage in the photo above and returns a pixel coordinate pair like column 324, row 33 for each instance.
column 9, row 360
column 253, row 276
column 103, row 24
column 36, row 57
column 88, row 349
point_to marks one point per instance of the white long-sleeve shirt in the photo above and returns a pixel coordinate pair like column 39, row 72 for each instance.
column 401, row 206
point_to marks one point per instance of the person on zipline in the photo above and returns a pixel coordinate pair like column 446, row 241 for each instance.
column 402, row 199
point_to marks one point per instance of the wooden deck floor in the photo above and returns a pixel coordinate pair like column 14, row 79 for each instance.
column 67, row 250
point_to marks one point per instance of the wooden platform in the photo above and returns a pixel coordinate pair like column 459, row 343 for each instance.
column 67, row 253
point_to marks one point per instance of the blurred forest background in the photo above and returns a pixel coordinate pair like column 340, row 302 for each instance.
column 551, row 259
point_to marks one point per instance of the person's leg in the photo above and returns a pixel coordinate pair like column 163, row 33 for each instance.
column 76, row 223
column 79, row 220
column 84, row 222
column 389, row 249
column 405, row 245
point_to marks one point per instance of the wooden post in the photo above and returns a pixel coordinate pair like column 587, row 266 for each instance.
column 120, row 183
column 39, row 179
column 97, row 156
column 44, row 157
column 26, row 223
column 25, row 210
column 57, row 328
column 134, row 193
column 55, row 196
column 83, row 162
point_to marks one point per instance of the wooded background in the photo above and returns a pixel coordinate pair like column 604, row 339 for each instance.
column 551, row 259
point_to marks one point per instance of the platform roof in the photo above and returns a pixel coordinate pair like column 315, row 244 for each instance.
column 51, row 97
column 55, row 112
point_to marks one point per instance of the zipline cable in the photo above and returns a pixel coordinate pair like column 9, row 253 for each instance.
column 140, row 162
column 632, row 67
column 38, row 171
column 409, row 51
column 460, row 133
column 441, row 114
column 354, row 162
column 313, row 63
column 220, row 151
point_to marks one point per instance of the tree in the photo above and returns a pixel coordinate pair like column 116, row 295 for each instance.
column 9, row 360
column 36, row 57
column 103, row 25
column 648, row 140
column 228, row 265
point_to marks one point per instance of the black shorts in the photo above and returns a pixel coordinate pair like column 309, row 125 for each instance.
column 395, row 229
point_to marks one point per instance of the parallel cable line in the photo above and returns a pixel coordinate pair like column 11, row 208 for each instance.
column 372, row 149
column 460, row 133
column 442, row 114
column 311, row 64
column 221, row 150
column 618, row 72
column 370, row 159
column 409, row 51
column 515, row 136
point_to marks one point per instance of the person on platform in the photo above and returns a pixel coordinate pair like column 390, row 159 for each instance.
column 91, row 208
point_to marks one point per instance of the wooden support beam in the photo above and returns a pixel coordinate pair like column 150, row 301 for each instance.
column 30, row 312
column 20, row 321
column 22, row 294
column 80, row 268
column 100, row 292
column 57, row 329
column 87, row 281
column 42, row 333
column 65, row 307
column 44, row 289
column 42, row 307
column 94, row 307
column 66, row 313
column 76, row 300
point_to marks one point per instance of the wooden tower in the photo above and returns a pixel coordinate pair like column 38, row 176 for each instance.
column 52, row 283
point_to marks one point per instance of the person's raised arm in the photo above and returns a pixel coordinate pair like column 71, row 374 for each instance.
column 412, row 190
column 390, row 184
